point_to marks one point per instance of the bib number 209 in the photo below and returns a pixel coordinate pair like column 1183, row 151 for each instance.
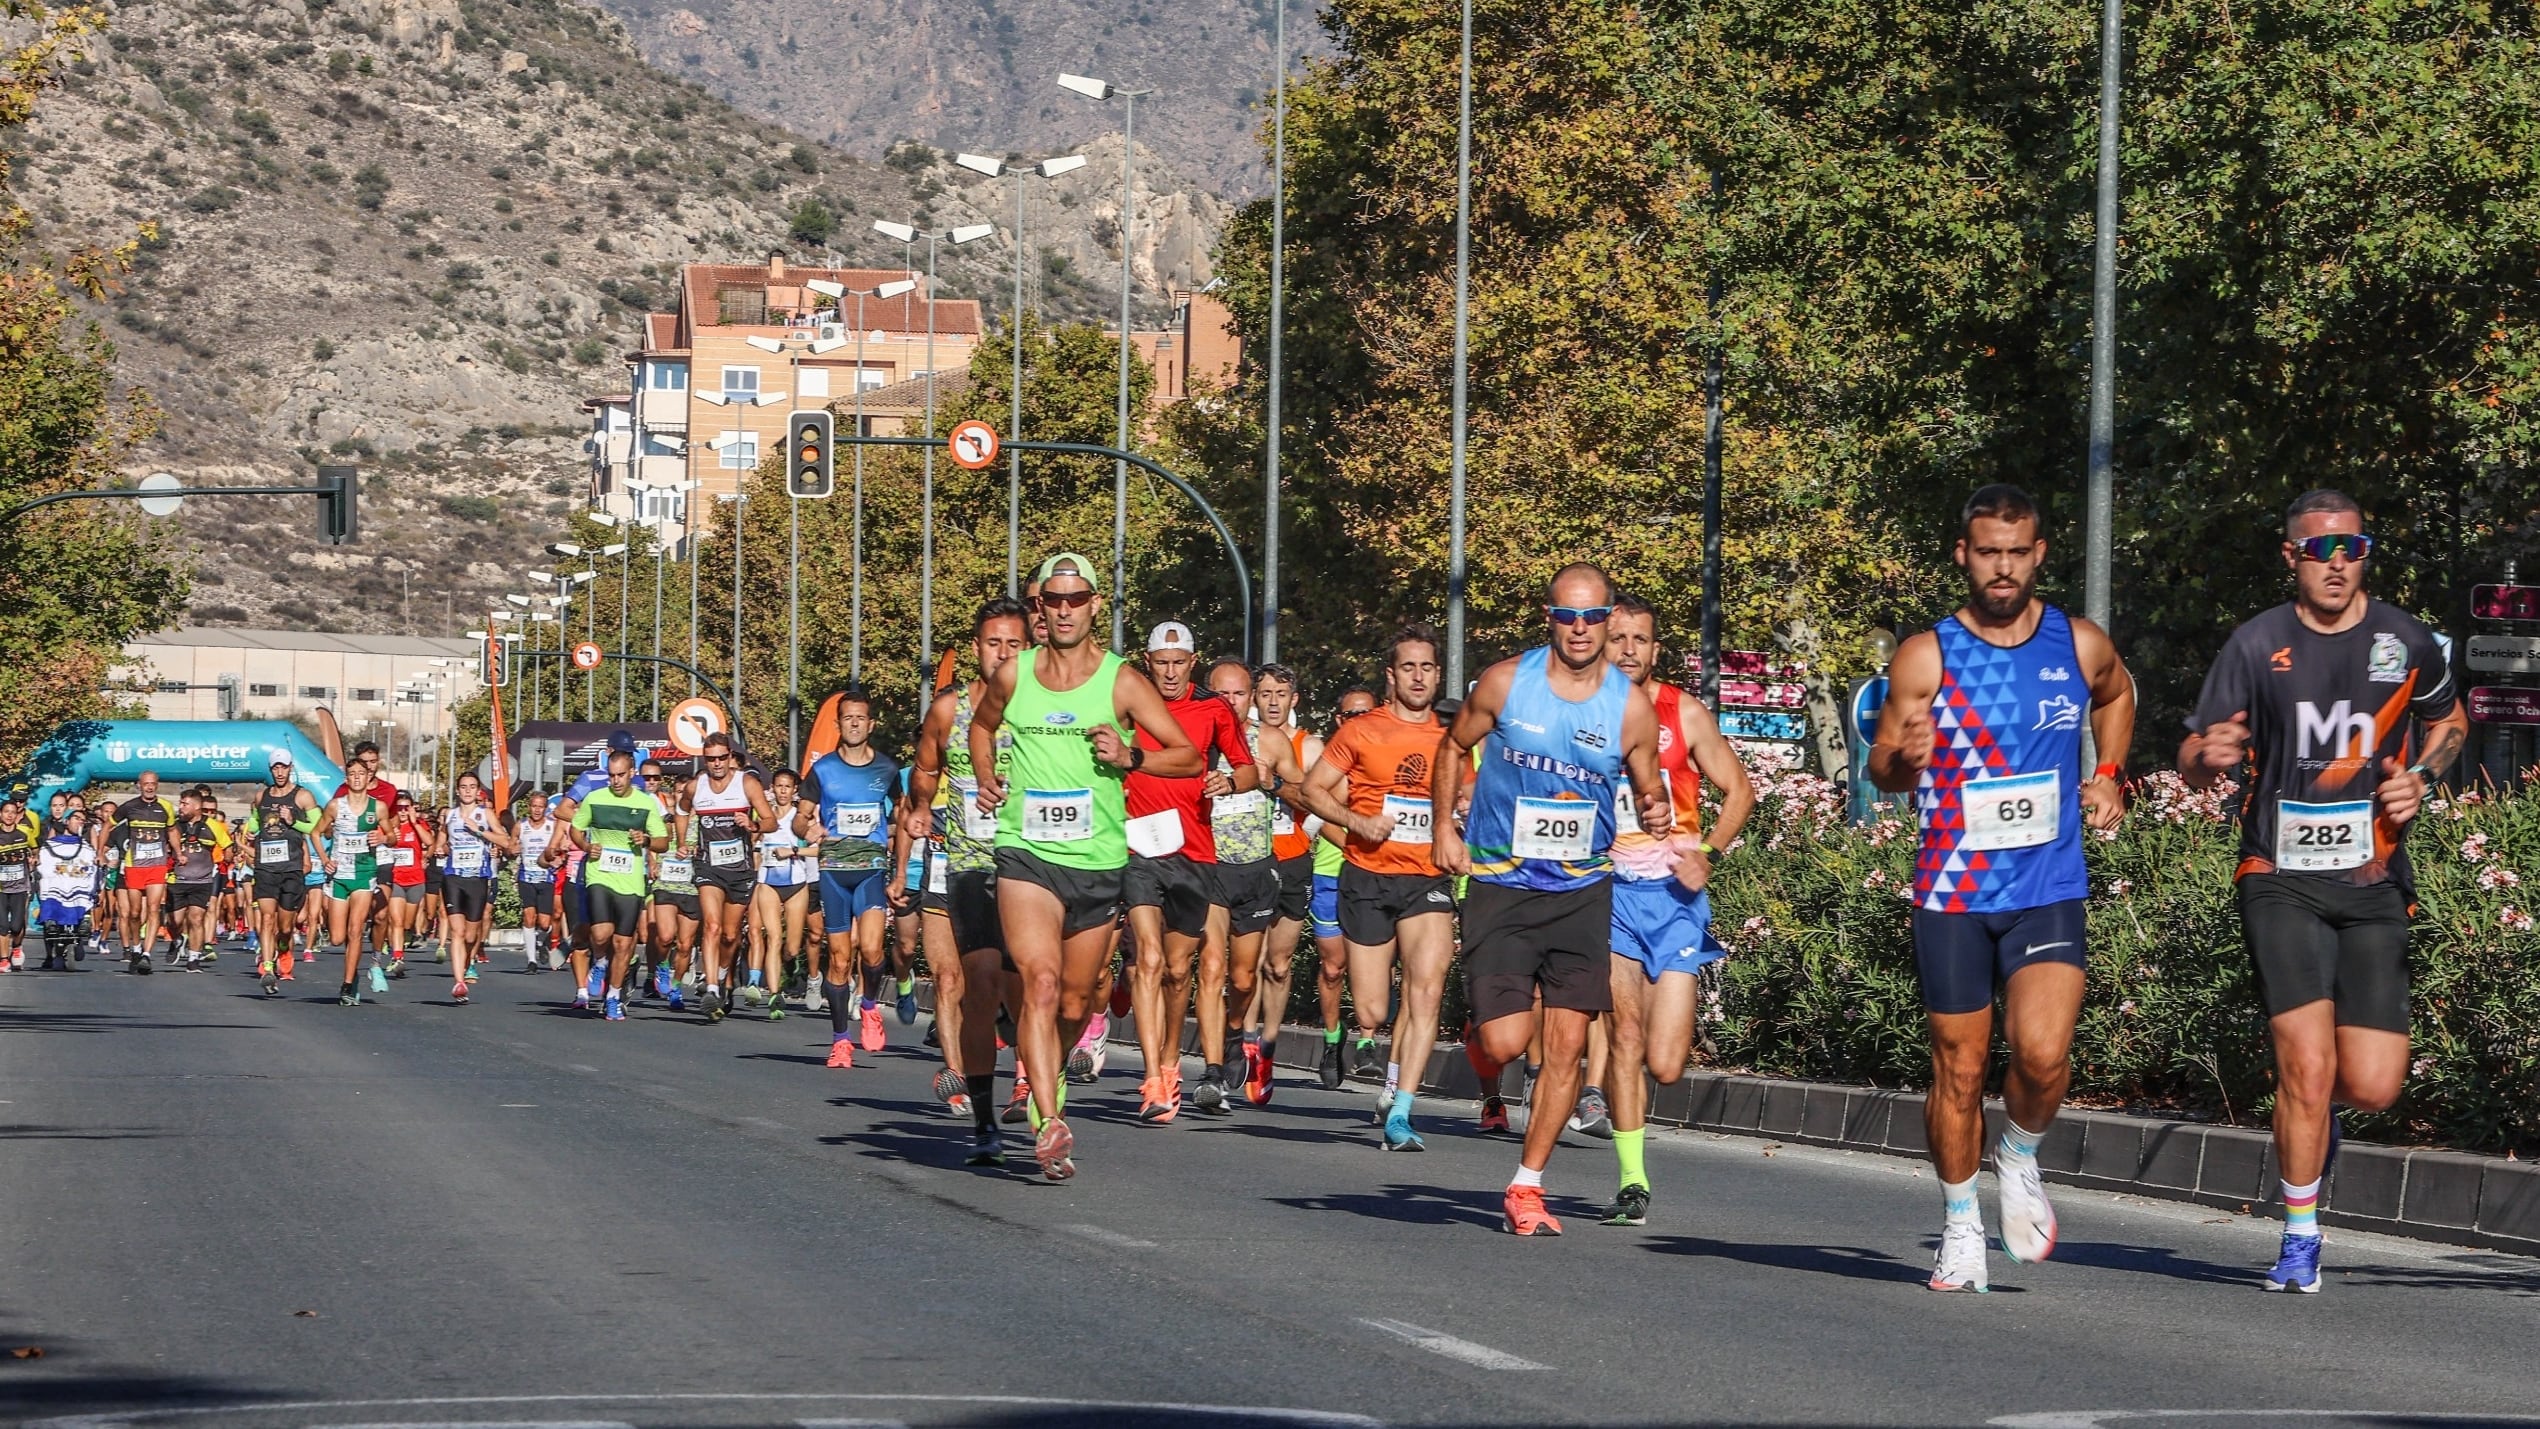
column 1562, row 829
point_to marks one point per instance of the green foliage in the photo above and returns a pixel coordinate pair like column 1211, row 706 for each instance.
column 812, row 223
column 472, row 508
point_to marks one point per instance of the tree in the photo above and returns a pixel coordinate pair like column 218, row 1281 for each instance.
column 83, row 577
column 812, row 223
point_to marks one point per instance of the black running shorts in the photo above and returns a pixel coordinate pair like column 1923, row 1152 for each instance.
column 1249, row 892
column 1089, row 896
column 285, row 888
column 970, row 901
column 537, row 898
column 2316, row 939
column 1372, row 904
column 182, row 896
column 621, row 913
column 1296, row 888
column 1520, row 940
column 467, row 898
column 1183, row 889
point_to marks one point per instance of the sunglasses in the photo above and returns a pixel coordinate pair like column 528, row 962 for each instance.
column 2354, row 547
column 1064, row 599
column 1579, row 614
column 720, row 758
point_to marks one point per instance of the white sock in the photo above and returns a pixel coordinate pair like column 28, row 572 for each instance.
column 1393, row 1077
column 1958, row 1198
column 1527, row 1177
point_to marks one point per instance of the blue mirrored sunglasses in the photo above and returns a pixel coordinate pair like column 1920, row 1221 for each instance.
column 2355, row 546
column 1579, row 615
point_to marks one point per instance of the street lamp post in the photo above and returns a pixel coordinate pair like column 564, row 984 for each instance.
column 740, row 499
column 1048, row 169
column 1097, row 90
column 619, row 549
column 1278, row 327
column 1455, row 417
column 2097, row 575
column 855, row 560
column 908, row 233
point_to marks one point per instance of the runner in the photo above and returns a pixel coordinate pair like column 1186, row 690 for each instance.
column 1373, row 782
column 1171, row 882
column 844, row 804
column 408, row 854
column 2324, row 695
column 471, row 840
column 535, row 879
column 197, row 843
column 280, row 824
column 964, row 944
column 1062, row 838
column 573, row 889
column 143, row 830
column 673, row 915
column 781, row 902
column 1284, row 751
column 356, row 816
column 730, row 808
column 1556, row 728
column 1983, row 722
column 1247, row 886
column 1662, row 915
column 1323, row 913
column 20, row 836
column 615, row 826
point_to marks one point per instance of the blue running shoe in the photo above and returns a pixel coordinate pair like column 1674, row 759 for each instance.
column 678, row 998
column 2297, row 1265
column 907, row 1003
column 1398, row 1133
column 378, row 979
column 597, row 986
column 616, row 1011
column 661, row 980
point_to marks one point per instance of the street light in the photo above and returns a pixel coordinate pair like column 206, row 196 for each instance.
column 855, row 601
column 1048, row 169
column 908, row 234
column 1463, row 303
column 1278, row 326
column 1098, row 91
column 740, row 500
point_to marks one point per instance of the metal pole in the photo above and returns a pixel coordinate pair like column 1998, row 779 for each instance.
column 794, row 632
column 926, row 507
column 740, row 508
column 1120, row 469
column 625, row 578
column 591, row 632
column 855, row 599
column 691, row 554
column 1014, row 417
column 2103, row 328
column 1278, row 322
column 1711, row 424
column 1455, row 418
column 657, row 577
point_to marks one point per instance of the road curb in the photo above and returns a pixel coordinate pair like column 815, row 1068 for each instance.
column 2445, row 1196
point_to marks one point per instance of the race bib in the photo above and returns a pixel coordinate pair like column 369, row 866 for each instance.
column 2018, row 812
column 2322, row 838
column 1156, row 834
column 1282, row 821
column 271, row 851
column 1559, row 829
column 726, row 853
column 352, row 844
column 12, row 875
column 469, row 863
column 400, row 857
column 1243, row 804
column 1060, row 816
column 148, row 851
column 346, row 865
column 1413, row 819
column 855, row 821
column 935, row 879
column 974, row 822
column 1627, row 804
column 678, row 870
column 617, row 860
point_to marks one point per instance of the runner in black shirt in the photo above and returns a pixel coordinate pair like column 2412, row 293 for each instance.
column 2327, row 695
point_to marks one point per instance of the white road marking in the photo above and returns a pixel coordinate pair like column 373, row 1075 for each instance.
column 581, row 1067
column 1317, row 1417
column 2099, row 1418
column 520, row 1106
column 482, row 1424
column 1438, row 1342
column 851, row 1424
column 1109, row 1237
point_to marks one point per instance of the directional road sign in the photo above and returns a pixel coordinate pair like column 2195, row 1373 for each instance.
column 586, row 656
column 2505, row 654
column 974, row 445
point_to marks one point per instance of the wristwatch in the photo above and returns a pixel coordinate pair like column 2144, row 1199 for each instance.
column 1704, row 847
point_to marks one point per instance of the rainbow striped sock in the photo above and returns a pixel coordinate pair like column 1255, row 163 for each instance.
column 2301, row 1208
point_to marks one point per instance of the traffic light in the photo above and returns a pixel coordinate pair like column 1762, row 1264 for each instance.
column 811, row 465
column 338, row 502
column 489, row 660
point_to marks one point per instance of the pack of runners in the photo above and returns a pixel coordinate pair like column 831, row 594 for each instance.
column 1076, row 837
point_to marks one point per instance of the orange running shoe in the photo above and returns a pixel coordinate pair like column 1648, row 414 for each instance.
column 1055, row 1149
column 841, row 1053
column 872, row 1026
column 458, row 990
column 1523, row 1212
column 1257, row 1074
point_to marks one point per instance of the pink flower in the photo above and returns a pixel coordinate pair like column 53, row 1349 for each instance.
column 2121, row 888
column 2474, row 848
column 2496, row 875
column 1877, row 880
column 2514, row 919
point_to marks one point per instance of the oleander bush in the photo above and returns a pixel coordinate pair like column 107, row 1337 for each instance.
column 1820, row 982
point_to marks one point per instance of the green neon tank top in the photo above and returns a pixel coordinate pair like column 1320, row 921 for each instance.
column 1061, row 803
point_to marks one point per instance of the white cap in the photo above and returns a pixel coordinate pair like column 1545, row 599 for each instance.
column 1172, row 635
column 280, row 756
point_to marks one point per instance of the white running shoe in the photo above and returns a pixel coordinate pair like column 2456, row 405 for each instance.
column 1960, row 1264
column 2028, row 1222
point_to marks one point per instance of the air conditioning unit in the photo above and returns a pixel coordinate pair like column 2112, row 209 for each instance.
column 831, row 332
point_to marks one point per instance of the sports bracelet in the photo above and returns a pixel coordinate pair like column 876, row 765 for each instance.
column 2110, row 772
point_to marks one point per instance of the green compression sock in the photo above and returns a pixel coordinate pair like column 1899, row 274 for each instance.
column 1627, row 1150
column 1332, row 1036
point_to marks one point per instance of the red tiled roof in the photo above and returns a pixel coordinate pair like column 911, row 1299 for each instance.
column 661, row 332
column 700, row 282
column 912, row 393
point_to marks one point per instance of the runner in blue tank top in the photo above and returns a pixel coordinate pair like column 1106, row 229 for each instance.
column 1983, row 722
column 1556, row 726
column 845, row 806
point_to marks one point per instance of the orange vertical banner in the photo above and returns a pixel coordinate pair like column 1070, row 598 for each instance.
column 494, row 671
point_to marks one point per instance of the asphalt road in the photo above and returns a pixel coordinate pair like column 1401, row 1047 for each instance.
column 230, row 1211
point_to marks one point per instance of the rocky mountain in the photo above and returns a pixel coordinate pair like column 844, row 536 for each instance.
column 981, row 74
column 415, row 234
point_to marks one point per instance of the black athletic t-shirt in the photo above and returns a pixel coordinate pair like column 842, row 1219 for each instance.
column 2324, row 711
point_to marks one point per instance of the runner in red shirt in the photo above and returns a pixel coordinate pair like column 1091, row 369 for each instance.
column 1171, row 881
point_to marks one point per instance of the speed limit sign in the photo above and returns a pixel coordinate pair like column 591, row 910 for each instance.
column 974, row 445
column 586, row 656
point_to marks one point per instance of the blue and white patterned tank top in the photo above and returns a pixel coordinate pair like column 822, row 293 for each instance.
column 2001, row 802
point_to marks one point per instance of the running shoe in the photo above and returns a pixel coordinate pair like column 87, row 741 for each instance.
column 349, row 997
column 813, row 1003
column 1328, row 1071
column 1019, row 1107
column 986, row 1149
column 1257, row 1079
column 1055, row 1148
column 615, row 1010
column 1630, row 1208
column 1522, row 1212
column 1384, row 1108
column 532, row 965
column 378, row 979
column 1398, row 1133
column 2028, row 1221
column 1210, row 1096
column 678, row 999
column 713, row 1002
column 2297, row 1265
column 397, row 967
column 947, row 1085
column 210, row 956
column 595, row 986
column 841, row 1052
column 1495, row 1113
column 1080, row 1064
column 471, row 974
column 1960, row 1263
column 1591, row 1117
column 661, row 980
column 934, row 1037
column 440, row 954
column 750, row 993
column 458, row 990
column 138, row 963
column 872, row 1024
column 1159, row 1100
column 775, row 1009
column 272, row 984
column 906, row 1004
column 1119, row 996
column 1364, row 1060
column 581, row 1000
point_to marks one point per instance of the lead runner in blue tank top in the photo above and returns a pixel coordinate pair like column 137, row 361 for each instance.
column 1555, row 727
column 1983, row 723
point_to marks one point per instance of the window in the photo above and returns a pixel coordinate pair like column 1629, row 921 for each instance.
column 171, row 687
column 656, row 444
column 740, row 384
column 264, row 692
column 669, row 376
column 811, row 382
column 317, row 692
column 367, row 696
column 664, row 506
column 739, row 451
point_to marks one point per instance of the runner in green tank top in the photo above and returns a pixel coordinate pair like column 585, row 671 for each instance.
column 352, row 872
column 958, row 907
column 1062, row 823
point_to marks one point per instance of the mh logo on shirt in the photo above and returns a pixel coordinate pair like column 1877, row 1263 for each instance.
column 2061, row 712
column 2340, row 732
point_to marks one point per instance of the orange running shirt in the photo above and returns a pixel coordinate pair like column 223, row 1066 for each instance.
column 1386, row 759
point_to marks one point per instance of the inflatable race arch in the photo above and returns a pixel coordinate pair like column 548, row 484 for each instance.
column 181, row 752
